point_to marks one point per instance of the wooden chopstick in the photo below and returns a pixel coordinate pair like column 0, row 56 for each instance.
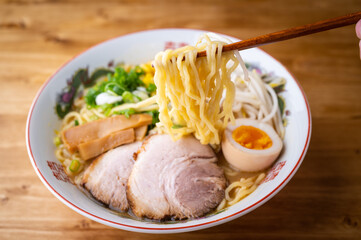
column 291, row 33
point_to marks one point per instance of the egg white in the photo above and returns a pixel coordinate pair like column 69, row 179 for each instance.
column 250, row 160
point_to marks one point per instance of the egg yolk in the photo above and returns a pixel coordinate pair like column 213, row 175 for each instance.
column 252, row 138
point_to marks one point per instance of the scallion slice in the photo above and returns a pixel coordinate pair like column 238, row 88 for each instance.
column 74, row 165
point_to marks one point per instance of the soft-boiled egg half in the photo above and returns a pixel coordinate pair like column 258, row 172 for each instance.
column 251, row 145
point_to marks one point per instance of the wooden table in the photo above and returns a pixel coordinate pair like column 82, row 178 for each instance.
column 322, row 201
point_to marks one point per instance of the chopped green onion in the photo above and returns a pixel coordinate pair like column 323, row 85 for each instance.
column 177, row 126
column 126, row 112
column 128, row 97
column 118, row 83
column 107, row 112
column 113, row 89
column 118, row 90
column 106, row 108
column 94, row 117
column 151, row 88
column 76, row 122
column 57, row 141
column 141, row 95
column 74, row 166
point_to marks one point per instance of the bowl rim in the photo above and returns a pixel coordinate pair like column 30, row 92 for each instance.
column 163, row 229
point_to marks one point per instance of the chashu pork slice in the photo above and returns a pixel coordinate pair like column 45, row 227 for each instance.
column 107, row 176
column 197, row 187
column 175, row 179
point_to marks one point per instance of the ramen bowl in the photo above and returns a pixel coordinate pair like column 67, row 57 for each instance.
column 139, row 48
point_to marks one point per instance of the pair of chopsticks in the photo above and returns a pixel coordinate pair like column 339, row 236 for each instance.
column 291, row 33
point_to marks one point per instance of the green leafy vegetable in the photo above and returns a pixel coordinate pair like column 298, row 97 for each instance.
column 98, row 73
column 62, row 110
column 281, row 104
column 76, row 123
column 279, row 88
column 66, row 98
column 80, row 77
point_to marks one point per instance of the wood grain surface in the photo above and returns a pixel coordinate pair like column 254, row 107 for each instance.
column 322, row 201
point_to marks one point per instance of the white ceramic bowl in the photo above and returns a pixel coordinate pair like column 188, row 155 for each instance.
column 138, row 48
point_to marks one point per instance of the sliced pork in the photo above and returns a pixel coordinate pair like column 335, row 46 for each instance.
column 175, row 179
column 106, row 178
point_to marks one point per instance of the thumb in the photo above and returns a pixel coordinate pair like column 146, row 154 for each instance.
column 358, row 29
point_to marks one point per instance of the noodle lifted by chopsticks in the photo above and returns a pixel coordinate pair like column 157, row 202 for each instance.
column 190, row 90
